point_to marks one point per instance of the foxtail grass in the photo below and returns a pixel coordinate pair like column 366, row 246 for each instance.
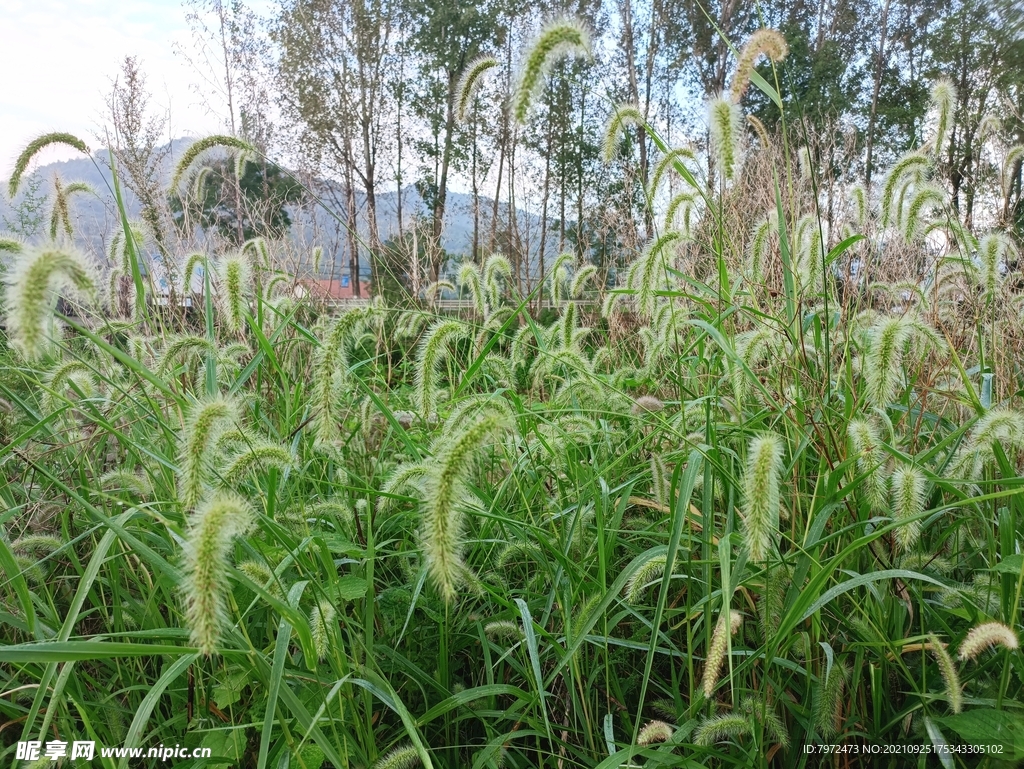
column 556, row 40
column 207, row 420
column 31, row 293
column 469, row 83
column 763, row 42
column 985, row 636
column 212, row 529
column 761, row 495
column 33, row 148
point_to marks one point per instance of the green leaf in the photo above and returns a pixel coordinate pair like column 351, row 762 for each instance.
column 15, row 577
column 765, row 88
column 229, row 690
column 226, row 745
column 864, row 579
column 840, row 248
column 350, row 587
column 149, row 702
column 310, row 757
column 534, row 652
column 939, row 743
column 382, row 690
column 997, row 731
column 284, row 634
column 68, row 651
column 1011, row 564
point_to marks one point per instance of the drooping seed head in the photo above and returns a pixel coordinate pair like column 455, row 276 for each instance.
column 557, row 40
column 805, row 162
column 212, row 528
column 884, row 366
column 197, row 148
column 321, row 618
column 758, row 712
column 37, row 544
column 404, row 757
column 950, row 677
column 999, row 426
column 989, row 126
column 992, row 252
column 579, row 281
column 11, row 243
column 1010, row 165
column 859, row 198
column 828, row 705
column 866, row 444
column 198, row 185
column 654, row 732
column 497, row 268
column 647, row 404
column 470, row 82
column 408, row 475
column 622, row 116
column 469, row 275
column 912, row 167
column 235, row 277
column 60, row 214
column 206, row 422
column 126, row 481
column 648, row 273
column 186, row 347
column 760, row 130
column 986, row 636
column 914, row 221
column 31, row 292
column 504, row 630
column 257, row 456
column 728, row 726
column 433, row 351
column 652, row 569
column 330, row 369
column 770, row 608
column 767, row 42
column 35, row 146
column 447, row 495
column 684, row 203
column 669, row 160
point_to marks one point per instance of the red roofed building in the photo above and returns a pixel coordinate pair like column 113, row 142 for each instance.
column 335, row 288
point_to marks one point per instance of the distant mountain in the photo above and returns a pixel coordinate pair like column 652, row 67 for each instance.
column 94, row 220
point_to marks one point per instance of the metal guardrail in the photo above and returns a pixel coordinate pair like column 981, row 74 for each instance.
column 444, row 305
column 457, row 304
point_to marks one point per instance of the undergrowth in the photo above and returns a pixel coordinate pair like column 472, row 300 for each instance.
column 752, row 499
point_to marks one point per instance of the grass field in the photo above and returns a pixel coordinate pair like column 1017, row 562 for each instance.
column 751, row 506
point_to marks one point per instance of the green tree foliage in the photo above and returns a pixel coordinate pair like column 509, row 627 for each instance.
column 209, row 203
column 444, row 38
column 28, row 214
column 979, row 46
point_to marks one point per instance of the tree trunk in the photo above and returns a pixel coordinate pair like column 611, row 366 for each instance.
column 442, row 180
column 544, row 213
column 353, row 221
column 628, row 43
column 476, row 199
column 870, row 141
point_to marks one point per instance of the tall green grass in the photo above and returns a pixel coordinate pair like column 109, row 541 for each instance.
column 717, row 514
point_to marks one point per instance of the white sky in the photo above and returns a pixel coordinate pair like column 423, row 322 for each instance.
column 60, row 56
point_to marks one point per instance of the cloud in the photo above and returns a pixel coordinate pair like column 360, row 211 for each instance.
column 60, row 58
